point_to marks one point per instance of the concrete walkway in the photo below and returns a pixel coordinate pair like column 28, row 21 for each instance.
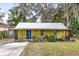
column 12, row 49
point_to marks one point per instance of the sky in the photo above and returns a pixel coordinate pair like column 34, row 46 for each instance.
column 5, row 8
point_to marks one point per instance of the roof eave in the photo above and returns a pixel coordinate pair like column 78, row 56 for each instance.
column 39, row 29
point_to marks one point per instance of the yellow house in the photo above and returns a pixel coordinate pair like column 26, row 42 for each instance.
column 24, row 31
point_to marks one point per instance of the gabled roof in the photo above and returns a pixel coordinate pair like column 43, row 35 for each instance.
column 51, row 26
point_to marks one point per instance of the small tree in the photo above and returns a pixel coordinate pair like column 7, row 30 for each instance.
column 74, row 26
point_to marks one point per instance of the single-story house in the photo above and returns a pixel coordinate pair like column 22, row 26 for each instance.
column 24, row 30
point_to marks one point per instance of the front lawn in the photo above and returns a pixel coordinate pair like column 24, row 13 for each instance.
column 51, row 49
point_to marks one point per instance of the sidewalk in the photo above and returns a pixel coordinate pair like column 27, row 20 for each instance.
column 6, row 40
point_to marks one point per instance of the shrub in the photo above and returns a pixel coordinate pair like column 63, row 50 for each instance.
column 1, row 34
column 37, row 38
column 51, row 38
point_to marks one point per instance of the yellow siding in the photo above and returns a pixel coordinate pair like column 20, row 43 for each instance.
column 38, row 32
column 21, row 34
column 48, row 32
column 60, row 34
column 35, row 33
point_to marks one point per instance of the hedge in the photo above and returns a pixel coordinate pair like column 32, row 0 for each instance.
column 51, row 38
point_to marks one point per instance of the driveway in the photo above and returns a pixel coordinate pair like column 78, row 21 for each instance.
column 12, row 49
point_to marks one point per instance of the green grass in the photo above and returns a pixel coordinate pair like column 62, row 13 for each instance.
column 51, row 49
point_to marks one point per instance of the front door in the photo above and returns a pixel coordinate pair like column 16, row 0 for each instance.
column 28, row 34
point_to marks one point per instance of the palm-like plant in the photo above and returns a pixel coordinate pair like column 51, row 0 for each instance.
column 16, row 16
